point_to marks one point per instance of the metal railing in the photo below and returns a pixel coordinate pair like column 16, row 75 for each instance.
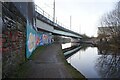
column 45, row 14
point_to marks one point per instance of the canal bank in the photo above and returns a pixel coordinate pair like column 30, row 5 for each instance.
column 47, row 62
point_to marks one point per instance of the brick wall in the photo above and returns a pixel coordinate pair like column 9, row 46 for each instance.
column 13, row 39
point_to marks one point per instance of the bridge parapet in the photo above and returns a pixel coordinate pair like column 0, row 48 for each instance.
column 58, row 27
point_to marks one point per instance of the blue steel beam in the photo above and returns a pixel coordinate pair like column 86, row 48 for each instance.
column 59, row 30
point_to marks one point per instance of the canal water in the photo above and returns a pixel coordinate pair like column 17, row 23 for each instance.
column 66, row 45
column 96, row 62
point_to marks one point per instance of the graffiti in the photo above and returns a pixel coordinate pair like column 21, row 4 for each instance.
column 37, row 40
column 31, row 42
column 41, row 40
column 45, row 36
column 45, row 39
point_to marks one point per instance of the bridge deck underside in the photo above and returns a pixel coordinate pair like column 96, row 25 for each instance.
column 47, row 25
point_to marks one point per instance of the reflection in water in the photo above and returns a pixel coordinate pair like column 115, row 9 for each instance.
column 108, row 65
column 84, row 46
column 95, row 62
column 66, row 45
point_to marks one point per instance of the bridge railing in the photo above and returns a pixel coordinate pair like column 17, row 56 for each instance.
column 48, row 16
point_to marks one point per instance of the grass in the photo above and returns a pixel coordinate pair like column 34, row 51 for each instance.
column 74, row 73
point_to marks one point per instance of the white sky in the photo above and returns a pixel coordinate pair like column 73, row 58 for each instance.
column 85, row 13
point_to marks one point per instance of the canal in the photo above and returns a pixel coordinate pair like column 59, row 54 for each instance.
column 95, row 62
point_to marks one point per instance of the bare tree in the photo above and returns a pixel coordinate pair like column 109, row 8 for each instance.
column 112, row 20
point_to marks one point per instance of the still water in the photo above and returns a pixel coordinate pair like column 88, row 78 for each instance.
column 66, row 45
column 94, row 62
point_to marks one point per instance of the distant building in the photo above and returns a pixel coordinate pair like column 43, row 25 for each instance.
column 106, row 33
column 107, row 30
column 104, row 30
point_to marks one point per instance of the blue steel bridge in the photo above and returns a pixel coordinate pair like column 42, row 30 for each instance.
column 47, row 24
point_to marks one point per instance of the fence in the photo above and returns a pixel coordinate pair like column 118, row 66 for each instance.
column 45, row 14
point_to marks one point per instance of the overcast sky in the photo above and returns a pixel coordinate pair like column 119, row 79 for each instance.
column 85, row 13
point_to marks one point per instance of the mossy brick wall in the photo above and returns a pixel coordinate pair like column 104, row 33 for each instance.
column 13, row 39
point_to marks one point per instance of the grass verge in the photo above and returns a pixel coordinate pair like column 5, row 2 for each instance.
column 74, row 73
